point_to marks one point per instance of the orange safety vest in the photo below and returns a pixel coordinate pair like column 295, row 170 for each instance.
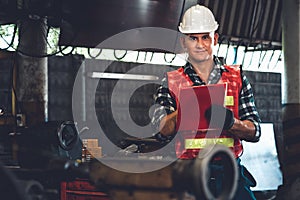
column 188, row 144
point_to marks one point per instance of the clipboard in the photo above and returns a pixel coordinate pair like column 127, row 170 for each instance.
column 194, row 101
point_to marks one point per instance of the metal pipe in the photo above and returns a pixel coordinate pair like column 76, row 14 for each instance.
column 291, row 90
column 32, row 71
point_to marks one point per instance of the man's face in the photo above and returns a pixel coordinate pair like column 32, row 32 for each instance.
column 199, row 46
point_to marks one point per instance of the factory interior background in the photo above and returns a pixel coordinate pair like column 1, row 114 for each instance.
column 74, row 73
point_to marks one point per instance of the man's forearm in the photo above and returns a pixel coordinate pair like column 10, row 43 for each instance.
column 167, row 125
column 244, row 130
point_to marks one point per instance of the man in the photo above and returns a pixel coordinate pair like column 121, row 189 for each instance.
column 202, row 68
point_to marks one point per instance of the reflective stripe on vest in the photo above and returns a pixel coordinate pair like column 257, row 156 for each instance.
column 200, row 143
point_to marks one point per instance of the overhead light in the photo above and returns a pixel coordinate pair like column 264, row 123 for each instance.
column 122, row 76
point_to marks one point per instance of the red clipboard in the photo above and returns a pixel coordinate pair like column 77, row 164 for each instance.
column 194, row 101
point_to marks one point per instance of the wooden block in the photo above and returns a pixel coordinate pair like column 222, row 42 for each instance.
column 90, row 143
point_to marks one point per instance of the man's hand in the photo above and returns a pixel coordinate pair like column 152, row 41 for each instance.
column 167, row 125
column 220, row 114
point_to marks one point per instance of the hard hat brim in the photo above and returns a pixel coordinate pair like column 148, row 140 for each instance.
column 185, row 31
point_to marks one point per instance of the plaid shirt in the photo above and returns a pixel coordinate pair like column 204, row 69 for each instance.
column 247, row 109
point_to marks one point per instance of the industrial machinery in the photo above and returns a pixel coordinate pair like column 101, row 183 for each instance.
column 50, row 153
column 45, row 141
column 174, row 182
column 36, row 151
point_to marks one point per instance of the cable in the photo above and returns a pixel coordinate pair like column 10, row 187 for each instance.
column 221, row 39
column 137, row 57
column 171, row 59
column 98, row 54
column 181, row 12
column 12, row 40
column 228, row 45
column 151, row 56
column 145, row 58
column 245, row 51
column 271, row 57
column 62, row 49
column 180, row 17
column 279, row 59
column 261, row 58
column 236, row 51
column 119, row 58
column 46, row 38
column 251, row 57
column 46, row 54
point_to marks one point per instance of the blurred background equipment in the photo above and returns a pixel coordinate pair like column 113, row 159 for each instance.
column 39, row 143
column 37, row 159
column 9, row 188
column 177, row 180
column 174, row 181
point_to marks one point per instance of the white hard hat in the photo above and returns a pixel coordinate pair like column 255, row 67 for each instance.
column 198, row 19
